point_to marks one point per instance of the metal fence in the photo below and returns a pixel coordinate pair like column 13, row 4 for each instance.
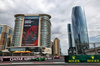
column 81, row 49
column 94, row 49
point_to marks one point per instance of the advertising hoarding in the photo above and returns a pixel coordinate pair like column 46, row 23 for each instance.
column 30, row 31
column 22, row 58
column 82, row 58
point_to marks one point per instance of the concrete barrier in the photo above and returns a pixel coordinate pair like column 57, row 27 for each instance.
column 20, row 58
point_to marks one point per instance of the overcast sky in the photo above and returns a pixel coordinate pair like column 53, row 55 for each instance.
column 60, row 11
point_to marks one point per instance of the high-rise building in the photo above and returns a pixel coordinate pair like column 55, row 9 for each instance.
column 71, row 50
column 6, row 33
column 32, row 32
column 70, row 36
column 80, row 29
column 56, row 47
column 52, row 44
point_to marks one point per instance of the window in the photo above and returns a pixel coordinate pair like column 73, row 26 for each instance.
column 10, row 31
column 0, row 30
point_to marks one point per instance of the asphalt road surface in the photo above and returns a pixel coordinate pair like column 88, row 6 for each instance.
column 50, row 60
column 56, row 60
column 50, row 63
column 54, row 65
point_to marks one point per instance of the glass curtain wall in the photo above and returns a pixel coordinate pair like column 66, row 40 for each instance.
column 45, row 31
column 70, row 36
column 80, row 29
column 17, row 31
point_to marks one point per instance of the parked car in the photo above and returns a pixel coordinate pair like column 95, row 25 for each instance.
column 37, row 59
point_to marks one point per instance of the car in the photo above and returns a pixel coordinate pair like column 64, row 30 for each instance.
column 56, row 57
column 37, row 59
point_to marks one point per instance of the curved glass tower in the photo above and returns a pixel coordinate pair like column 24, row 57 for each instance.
column 17, row 30
column 45, row 31
column 80, row 29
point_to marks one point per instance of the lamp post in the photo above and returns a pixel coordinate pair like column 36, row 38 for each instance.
column 94, row 48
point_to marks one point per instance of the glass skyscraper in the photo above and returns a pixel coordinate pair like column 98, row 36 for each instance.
column 71, row 50
column 80, row 29
column 70, row 36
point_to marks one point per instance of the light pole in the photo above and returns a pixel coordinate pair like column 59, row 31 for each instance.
column 94, row 48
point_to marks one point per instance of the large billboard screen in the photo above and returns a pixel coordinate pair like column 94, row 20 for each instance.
column 30, row 31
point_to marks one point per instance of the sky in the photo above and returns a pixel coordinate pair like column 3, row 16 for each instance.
column 60, row 11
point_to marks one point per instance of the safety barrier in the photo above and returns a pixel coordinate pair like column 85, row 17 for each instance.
column 20, row 58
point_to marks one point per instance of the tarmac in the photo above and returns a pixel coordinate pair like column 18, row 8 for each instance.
column 47, row 63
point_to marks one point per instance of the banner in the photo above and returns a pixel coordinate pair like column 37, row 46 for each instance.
column 21, row 58
column 82, row 58
column 30, row 31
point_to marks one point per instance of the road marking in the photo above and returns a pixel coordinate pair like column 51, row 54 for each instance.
column 23, row 63
column 5, row 63
column 59, row 62
column 33, row 63
column 42, row 62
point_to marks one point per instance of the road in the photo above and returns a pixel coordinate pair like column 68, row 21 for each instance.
column 49, row 60
column 54, row 62
column 54, row 65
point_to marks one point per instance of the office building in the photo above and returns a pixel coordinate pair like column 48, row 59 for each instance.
column 52, row 44
column 70, row 36
column 71, row 50
column 6, row 33
column 32, row 32
column 56, row 47
column 80, row 29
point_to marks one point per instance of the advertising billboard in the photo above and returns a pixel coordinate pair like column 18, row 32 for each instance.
column 30, row 31
column 82, row 58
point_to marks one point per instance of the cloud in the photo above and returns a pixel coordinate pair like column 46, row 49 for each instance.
column 60, row 10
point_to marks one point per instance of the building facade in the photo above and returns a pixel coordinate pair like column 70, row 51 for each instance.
column 70, row 36
column 80, row 29
column 6, row 34
column 56, row 47
column 72, row 49
column 32, row 30
column 52, row 44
